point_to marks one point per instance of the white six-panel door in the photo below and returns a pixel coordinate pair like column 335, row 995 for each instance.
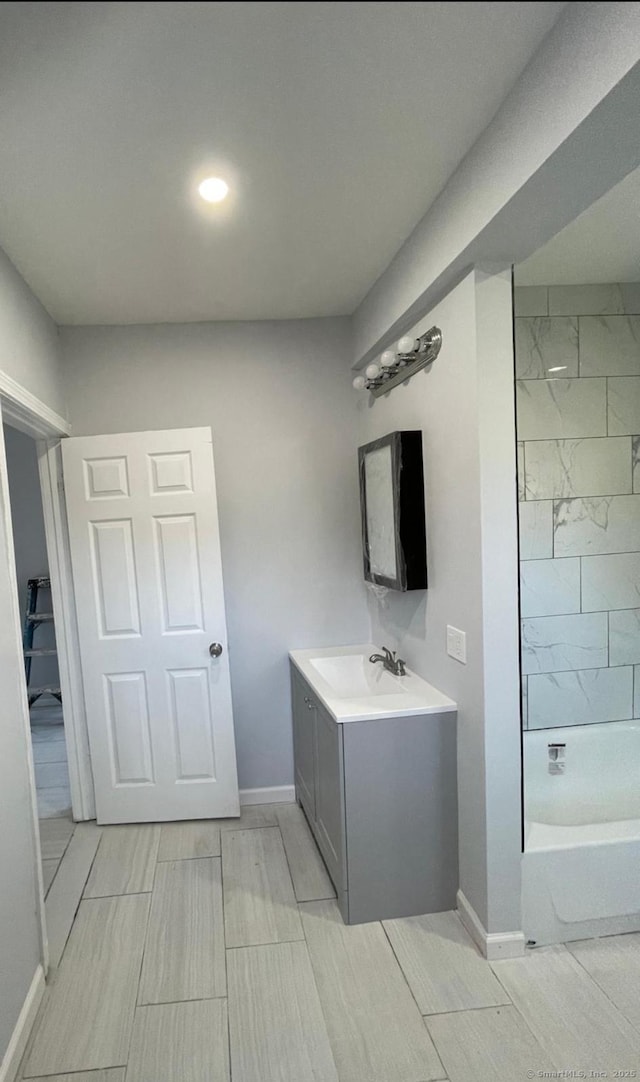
column 145, row 553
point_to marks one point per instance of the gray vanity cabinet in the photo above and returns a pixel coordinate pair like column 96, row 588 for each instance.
column 329, row 824
column 303, row 710
column 381, row 800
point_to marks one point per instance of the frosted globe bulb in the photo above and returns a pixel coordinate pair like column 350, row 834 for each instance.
column 372, row 371
column 359, row 383
column 407, row 344
column 213, row 189
column 388, row 359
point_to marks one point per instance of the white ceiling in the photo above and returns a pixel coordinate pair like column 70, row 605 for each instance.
column 601, row 245
column 335, row 124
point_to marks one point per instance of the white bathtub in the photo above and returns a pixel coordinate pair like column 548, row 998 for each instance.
column 581, row 865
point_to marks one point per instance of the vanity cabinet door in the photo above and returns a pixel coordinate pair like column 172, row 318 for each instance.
column 304, row 716
column 330, row 796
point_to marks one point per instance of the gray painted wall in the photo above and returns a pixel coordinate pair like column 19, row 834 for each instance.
column 28, row 352
column 464, row 407
column 278, row 399
column 443, row 404
column 29, row 540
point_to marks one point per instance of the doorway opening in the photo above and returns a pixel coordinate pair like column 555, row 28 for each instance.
column 41, row 668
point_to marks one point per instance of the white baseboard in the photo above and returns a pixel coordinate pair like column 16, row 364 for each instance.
column 22, row 1029
column 275, row 794
column 493, row 945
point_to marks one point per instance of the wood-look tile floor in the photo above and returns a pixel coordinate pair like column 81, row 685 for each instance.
column 215, row 952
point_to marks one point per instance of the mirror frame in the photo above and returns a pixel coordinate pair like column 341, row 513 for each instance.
column 408, row 511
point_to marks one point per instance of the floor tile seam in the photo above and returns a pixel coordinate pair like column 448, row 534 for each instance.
column 139, row 978
column 257, row 946
column 466, row 1010
column 125, row 894
column 55, row 970
column 288, row 862
column 146, row 943
column 57, row 1074
column 406, row 981
column 596, row 982
column 538, row 1039
column 267, row 943
column 177, row 860
column 177, row 1002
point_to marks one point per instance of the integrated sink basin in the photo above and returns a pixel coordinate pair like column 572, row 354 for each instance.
column 351, row 676
column 354, row 689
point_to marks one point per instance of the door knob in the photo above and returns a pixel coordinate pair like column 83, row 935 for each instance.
column 215, row 649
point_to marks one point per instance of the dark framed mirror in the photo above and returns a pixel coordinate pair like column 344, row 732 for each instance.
column 392, row 507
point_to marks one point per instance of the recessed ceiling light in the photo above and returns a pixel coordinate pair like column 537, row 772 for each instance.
column 213, row 189
column 558, row 368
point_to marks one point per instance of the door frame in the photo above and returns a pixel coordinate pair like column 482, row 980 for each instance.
column 68, row 644
column 28, row 414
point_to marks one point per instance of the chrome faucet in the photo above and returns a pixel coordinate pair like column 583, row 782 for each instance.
column 391, row 663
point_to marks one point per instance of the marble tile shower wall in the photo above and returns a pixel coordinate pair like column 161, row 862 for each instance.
column 578, row 423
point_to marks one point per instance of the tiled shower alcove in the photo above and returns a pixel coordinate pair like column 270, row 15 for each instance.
column 578, row 424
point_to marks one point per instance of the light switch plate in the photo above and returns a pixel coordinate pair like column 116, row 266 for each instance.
column 457, row 644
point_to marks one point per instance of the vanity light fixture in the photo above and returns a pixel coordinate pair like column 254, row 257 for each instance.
column 411, row 355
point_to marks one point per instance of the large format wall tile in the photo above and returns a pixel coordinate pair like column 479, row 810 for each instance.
column 586, row 300
column 624, row 637
column 550, row 587
column 580, row 698
column 555, row 469
column 558, row 643
column 610, row 345
column 611, row 582
column 630, row 292
column 520, row 467
column 560, row 408
column 580, row 442
column 623, row 400
column 536, row 530
column 586, row 527
column 530, row 301
column 543, row 345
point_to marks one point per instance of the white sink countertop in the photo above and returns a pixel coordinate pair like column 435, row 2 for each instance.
column 354, row 689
